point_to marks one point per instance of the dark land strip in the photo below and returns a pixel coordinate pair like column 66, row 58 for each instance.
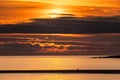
column 63, row 71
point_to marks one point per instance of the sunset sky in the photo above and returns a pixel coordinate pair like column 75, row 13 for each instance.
column 23, row 10
column 60, row 17
column 103, row 3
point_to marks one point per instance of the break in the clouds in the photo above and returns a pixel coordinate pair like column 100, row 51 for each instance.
column 59, row 44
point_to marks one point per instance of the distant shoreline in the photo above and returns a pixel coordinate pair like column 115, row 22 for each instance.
column 50, row 55
column 90, row 56
column 114, row 56
column 63, row 71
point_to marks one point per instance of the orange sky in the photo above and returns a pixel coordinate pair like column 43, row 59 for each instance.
column 108, row 3
column 22, row 10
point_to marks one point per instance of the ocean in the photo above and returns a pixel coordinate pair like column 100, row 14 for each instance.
column 57, row 63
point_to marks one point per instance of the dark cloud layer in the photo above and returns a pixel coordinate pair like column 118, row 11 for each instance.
column 60, row 45
column 66, row 25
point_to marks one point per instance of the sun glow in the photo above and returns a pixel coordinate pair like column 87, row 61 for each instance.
column 55, row 13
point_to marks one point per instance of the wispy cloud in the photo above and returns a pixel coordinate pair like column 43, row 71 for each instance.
column 93, row 10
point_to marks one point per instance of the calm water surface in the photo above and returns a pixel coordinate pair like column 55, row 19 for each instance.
column 57, row 62
column 59, row 77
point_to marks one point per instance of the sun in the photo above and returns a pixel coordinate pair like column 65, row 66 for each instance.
column 55, row 13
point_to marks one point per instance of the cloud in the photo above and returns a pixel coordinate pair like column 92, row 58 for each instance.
column 62, row 14
column 23, row 46
column 38, row 48
column 93, row 10
column 20, row 11
column 18, row 44
column 88, row 24
column 104, row 19
column 18, row 5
